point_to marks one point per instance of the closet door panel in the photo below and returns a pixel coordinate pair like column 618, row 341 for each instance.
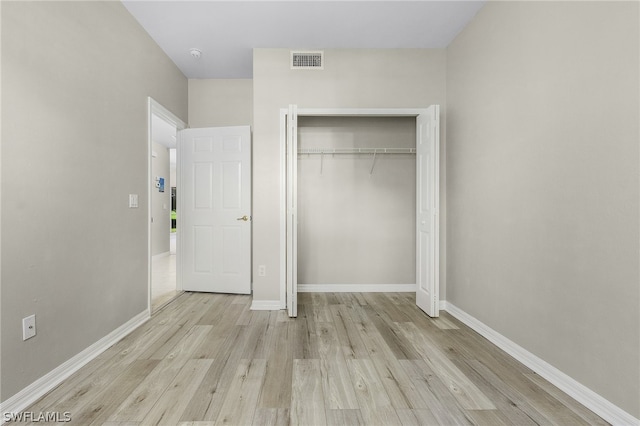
column 427, row 196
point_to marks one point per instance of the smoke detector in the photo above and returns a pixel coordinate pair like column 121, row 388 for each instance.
column 195, row 53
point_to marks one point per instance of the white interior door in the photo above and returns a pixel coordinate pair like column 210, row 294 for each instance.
column 215, row 219
column 292, row 211
column 427, row 206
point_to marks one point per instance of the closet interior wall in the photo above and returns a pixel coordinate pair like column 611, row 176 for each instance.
column 356, row 213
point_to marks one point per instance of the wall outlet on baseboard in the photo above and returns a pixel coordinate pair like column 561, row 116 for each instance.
column 262, row 270
column 28, row 327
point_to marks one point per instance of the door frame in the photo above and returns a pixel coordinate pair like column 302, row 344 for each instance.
column 349, row 112
column 155, row 108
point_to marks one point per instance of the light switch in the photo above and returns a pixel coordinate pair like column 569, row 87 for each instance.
column 133, row 201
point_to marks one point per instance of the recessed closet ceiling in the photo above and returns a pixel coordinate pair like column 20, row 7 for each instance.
column 227, row 31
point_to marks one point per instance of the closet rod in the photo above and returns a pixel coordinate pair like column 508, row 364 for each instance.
column 357, row 151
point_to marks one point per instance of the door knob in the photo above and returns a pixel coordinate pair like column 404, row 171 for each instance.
column 244, row 218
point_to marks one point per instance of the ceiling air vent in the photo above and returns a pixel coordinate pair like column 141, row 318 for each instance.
column 307, row 60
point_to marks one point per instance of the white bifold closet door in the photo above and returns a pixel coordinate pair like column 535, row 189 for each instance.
column 427, row 206
column 292, row 211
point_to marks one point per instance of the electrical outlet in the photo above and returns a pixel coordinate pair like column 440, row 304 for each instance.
column 28, row 327
column 262, row 271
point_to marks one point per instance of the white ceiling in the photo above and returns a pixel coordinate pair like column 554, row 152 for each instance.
column 227, row 31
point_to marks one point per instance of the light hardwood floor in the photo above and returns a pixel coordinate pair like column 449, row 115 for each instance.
column 163, row 281
column 163, row 277
column 348, row 359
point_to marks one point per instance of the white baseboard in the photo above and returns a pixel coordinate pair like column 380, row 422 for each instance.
column 594, row 402
column 356, row 288
column 266, row 305
column 37, row 389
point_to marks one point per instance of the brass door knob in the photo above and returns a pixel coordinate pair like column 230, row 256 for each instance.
column 244, row 218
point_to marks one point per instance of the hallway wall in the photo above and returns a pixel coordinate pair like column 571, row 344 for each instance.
column 220, row 102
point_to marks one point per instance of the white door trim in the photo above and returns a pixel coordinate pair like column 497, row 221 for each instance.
column 332, row 112
column 155, row 108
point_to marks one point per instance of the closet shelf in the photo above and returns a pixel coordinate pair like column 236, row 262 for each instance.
column 369, row 151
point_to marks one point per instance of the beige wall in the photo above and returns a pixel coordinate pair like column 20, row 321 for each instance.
column 160, row 201
column 75, row 81
column 357, row 225
column 352, row 78
column 542, row 185
column 220, row 102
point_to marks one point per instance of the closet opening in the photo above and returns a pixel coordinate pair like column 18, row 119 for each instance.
column 360, row 211
column 356, row 204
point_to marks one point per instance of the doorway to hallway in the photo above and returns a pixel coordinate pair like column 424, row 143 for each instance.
column 164, row 285
column 163, row 277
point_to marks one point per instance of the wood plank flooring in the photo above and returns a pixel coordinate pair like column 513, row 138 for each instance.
column 348, row 359
column 163, row 277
